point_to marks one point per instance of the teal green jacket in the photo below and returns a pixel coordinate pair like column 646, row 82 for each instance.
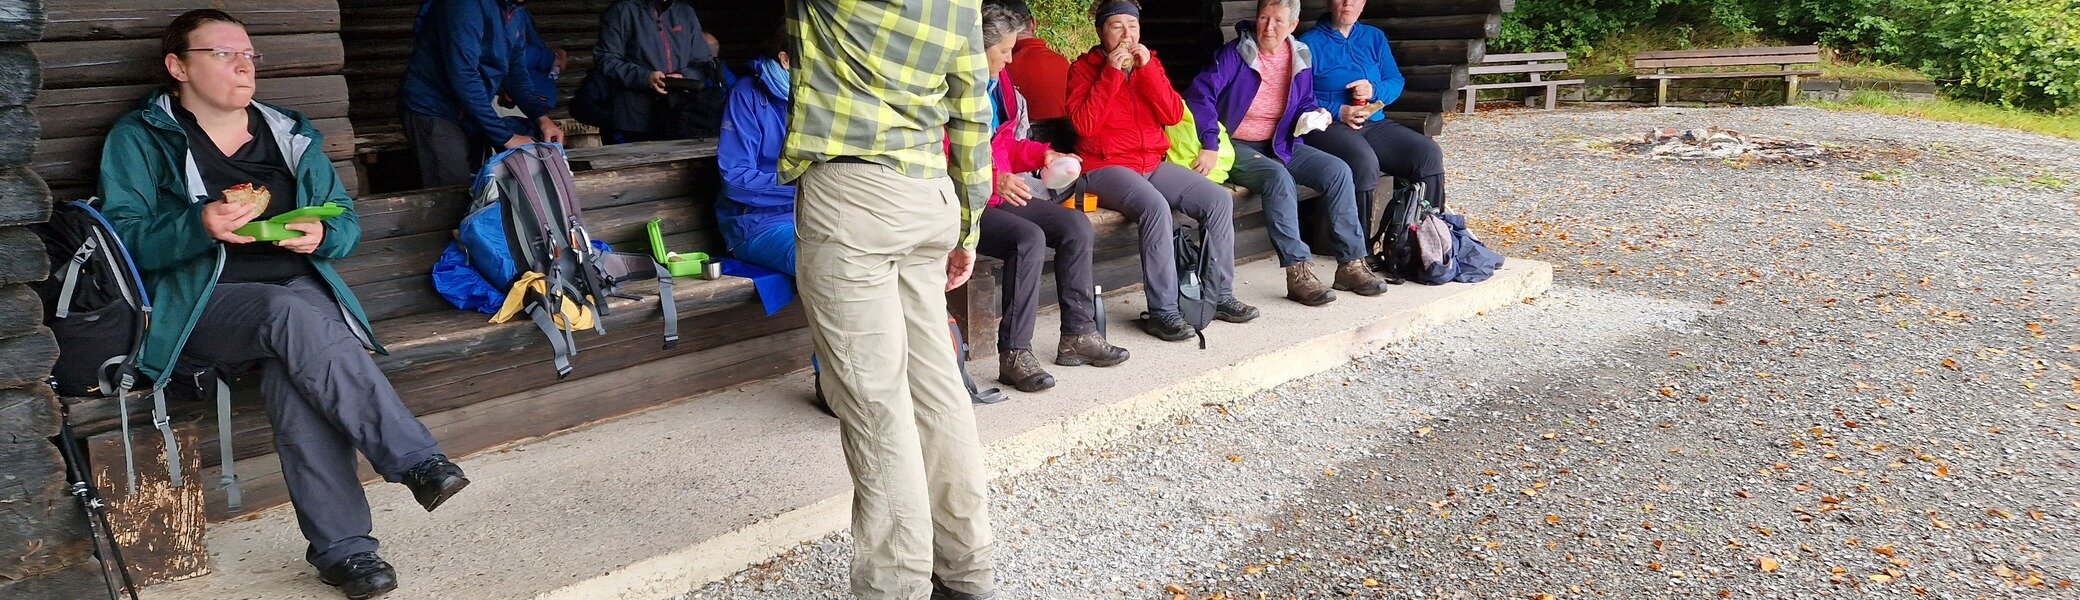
column 153, row 194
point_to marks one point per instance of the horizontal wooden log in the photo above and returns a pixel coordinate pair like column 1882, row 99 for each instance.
column 1438, row 52
column 1434, row 78
column 1417, row 8
column 91, row 111
column 26, row 359
column 147, row 19
column 28, row 415
column 18, row 132
column 640, row 153
column 1423, row 101
column 21, row 310
column 20, row 75
column 22, row 258
column 22, row 20
column 74, row 580
column 117, row 62
column 1442, row 27
column 23, row 197
column 73, row 162
column 1429, row 124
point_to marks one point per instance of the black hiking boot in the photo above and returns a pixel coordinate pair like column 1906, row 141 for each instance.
column 1234, row 311
column 1167, row 326
column 361, row 576
column 434, row 481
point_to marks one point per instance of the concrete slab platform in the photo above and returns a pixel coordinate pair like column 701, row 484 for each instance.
column 654, row 504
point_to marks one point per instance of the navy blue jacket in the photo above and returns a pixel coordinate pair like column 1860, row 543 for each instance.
column 635, row 38
column 467, row 53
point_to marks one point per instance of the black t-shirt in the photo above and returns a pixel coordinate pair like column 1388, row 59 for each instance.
column 260, row 162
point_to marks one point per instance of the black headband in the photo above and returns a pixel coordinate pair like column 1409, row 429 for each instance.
column 1113, row 8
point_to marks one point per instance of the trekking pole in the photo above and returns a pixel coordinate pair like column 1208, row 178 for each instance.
column 106, row 549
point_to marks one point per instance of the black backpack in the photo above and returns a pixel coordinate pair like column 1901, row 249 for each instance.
column 94, row 301
column 1394, row 252
column 1194, row 298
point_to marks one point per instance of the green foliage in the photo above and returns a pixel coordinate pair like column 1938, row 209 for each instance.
column 1065, row 24
column 2019, row 53
column 1966, row 111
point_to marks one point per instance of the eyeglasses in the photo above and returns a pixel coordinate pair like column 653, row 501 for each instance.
column 226, row 55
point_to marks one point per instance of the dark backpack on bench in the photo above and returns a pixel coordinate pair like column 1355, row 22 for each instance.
column 525, row 218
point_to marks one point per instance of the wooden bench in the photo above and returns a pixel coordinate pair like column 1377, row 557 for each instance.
column 1782, row 57
column 1536, row 64
column 478, row 385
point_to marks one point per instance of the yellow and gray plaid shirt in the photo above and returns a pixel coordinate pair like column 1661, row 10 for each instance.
column 887, row 81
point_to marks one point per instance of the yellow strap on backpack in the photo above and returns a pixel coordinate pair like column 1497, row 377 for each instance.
column 571, row 317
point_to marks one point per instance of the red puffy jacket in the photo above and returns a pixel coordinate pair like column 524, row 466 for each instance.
column 1119, row 118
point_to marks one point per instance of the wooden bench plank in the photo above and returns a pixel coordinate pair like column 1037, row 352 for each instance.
column 1523, row 84
column 640, row 153
column 1718, row 52
column 1523, row 57
column 1808, row 73
column 433, row 337
column 1731, row 61
column 1517, row 69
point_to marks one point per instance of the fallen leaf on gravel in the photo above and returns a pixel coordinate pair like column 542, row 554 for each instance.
column 1939, row 524
column 1253, row 570
column 1951, row 365
column 1234, row 458
column 1999, row 513
column 2035, row 329
column 1942, row 470
column 1654, row 566
column 1880, row 577
column 1885, row 550
column 1174, row 589
column 1329, row 473
column 1552, row 519
column 1767, row 564
column 1541, row 597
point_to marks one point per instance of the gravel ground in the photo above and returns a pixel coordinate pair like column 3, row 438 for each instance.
column 1751, row 380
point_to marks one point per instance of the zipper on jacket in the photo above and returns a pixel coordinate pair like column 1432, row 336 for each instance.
column 664, row 40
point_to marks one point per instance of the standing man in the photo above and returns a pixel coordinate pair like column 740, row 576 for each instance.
column 469, row 52
column 883, row 231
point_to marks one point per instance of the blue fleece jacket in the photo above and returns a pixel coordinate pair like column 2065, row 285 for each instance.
column 754, row 125
column 1340, row 60
column 468, row 52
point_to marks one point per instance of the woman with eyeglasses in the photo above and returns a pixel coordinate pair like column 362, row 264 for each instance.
column 179, row 177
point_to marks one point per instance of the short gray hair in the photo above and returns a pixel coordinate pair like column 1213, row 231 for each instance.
column 1292, row 7
column 999, row 22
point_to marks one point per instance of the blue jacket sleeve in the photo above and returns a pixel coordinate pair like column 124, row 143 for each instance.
column 527, row 75
column 1325, row 95
column 1387, row 84
column 465, row 29
column 741, row 153
column 1204, row 96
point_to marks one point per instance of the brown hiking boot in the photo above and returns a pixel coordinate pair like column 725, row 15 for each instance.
column 1355, row 278
column 1018, row 369
column 1088, row 349
column 1304, row 288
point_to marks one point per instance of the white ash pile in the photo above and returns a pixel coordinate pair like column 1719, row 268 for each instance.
column 1719, row 143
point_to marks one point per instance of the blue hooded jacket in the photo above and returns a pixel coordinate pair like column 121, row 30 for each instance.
column 468, row 52
column 1340, row 60
column 1223, row 92
column 754, row 126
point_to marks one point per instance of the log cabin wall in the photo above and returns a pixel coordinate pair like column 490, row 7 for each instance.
column 44, row 548
column 101, row 58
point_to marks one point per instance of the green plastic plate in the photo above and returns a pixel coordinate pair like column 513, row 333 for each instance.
column 273, row 230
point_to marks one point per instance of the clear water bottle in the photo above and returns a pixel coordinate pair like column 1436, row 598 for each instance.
column 1061, row 172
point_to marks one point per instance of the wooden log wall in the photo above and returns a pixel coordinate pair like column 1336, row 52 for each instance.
column 382, row 35
column 44, row 548
column 1433, row 41
column 100, row 59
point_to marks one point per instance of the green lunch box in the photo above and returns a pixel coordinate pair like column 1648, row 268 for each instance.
column 276, row 229
column 691, row 264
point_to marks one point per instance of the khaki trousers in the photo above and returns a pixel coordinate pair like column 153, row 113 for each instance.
column 871, row 246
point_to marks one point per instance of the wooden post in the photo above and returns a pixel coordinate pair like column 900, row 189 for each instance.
column 1790, row 87
column 1470, row 99
column 1661, row 95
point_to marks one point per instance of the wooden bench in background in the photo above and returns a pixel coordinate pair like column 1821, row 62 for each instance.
column 1536, row 64
column 1782, row 57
